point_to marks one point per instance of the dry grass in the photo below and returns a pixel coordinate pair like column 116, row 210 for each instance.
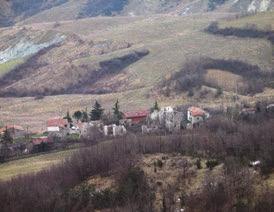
column 31, row 164
column 224, row 79
column 102, row 183
column 171, row 41
column 270, row 180
column 261, row 20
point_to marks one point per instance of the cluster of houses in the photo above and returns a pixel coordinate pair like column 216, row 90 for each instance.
column 166, row 119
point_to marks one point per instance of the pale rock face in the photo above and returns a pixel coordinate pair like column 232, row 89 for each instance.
column 252, row 7
column 259, row 5
column 25, row 48
column 264, row 6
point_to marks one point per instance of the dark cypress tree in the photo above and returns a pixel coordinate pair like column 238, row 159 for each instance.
column 68, row 117
column 155, row 107
column 96, row 112
column 118, row 115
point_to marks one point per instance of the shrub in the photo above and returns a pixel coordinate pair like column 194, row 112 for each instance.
column 219, row 92
column 159, row 163
column 199, row 164
column 211, row 163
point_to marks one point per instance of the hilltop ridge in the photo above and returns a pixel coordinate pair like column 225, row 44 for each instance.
column 29, row 11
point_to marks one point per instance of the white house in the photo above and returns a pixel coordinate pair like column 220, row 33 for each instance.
column 114, row 130
column 167, row 117
column 57, row 124
column 196, row 115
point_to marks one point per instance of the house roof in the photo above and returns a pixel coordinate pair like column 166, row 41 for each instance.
column 196, row 111
column 136, row 114
column 16, row 127
column 37, row 141
column 57, row 122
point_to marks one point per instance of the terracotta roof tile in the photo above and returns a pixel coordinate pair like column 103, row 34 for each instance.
column 57, row 122
column 136, row 114
column 196, row 111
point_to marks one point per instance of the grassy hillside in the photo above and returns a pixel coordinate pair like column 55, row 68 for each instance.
column 32, row 164
column 171, row 42
column 8, row 66
column 261, row 20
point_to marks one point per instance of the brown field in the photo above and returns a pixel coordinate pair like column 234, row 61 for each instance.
column 171, row 41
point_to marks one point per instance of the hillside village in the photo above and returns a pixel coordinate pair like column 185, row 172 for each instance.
column 99, row 126
column 137, row 106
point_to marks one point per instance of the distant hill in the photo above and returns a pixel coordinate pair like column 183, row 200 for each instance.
column 124, row 52
column 15, row 11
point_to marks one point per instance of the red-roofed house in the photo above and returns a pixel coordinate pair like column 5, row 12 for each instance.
column 196, row 115
column 14, row 130
column 56, row 124
column 136, row 116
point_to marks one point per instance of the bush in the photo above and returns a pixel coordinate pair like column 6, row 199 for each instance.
column 199, row 164
column 219, row 92
column 158, row 163
column 211, row 163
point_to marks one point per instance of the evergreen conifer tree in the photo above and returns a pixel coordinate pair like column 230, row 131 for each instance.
column 116, row 112
column 96, row 112
column 68, row 117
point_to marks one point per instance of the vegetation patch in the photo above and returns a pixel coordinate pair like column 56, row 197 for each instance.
column 90, row 83
column 86, row 81
column 131, row 189
column 250, row 31
column 8, row 66
column 194, row 74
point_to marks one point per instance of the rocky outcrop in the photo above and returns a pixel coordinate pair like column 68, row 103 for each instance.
column 26, row 47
